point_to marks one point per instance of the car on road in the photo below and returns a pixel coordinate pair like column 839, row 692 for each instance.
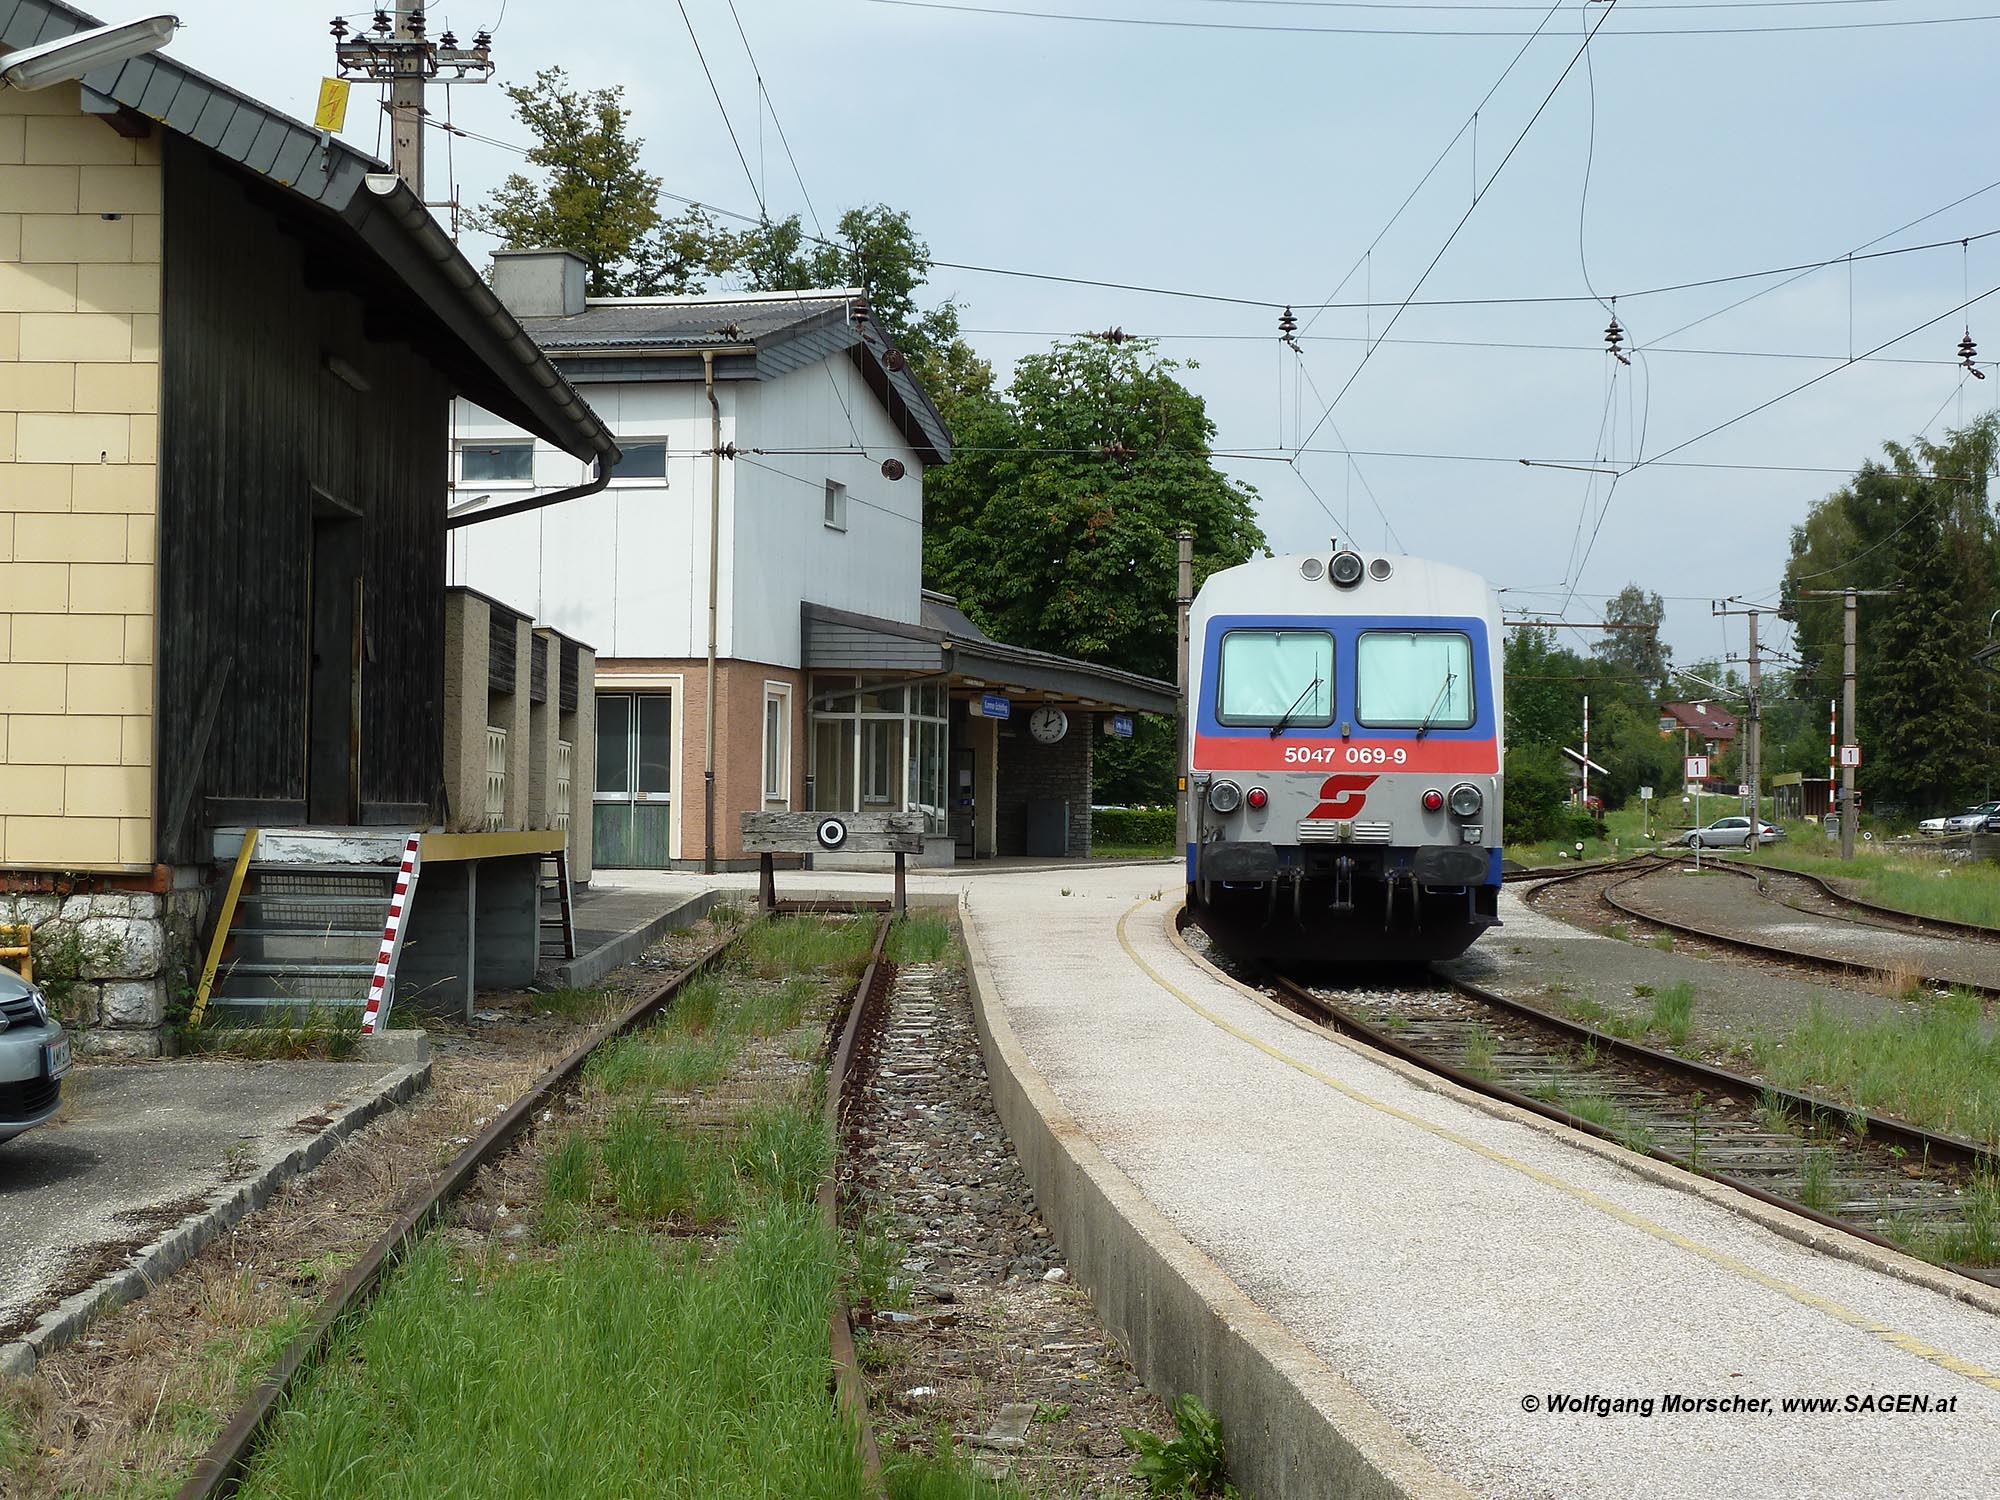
column 1729, row 833
column 34, row 1056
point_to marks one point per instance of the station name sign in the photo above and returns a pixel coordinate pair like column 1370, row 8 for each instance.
column 991, row 706
column 1120, row 725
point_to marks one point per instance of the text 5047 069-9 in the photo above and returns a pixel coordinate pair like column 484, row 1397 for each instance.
column 1345, row 755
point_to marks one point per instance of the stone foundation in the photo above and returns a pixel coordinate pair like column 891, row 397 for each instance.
column 112, row 962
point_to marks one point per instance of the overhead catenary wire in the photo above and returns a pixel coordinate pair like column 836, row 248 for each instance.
column 1277, row 304
column 1786, row 395
column 765, row 94
column 756, row 191
column 1610, row 8
column 1472, row 123
column 1269, row 27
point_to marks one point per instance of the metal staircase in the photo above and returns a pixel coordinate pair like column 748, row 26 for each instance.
column 558, row 916
column 304, row 927
column 305, row 938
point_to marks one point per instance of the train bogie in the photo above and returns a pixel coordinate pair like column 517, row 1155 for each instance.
column 1345, row 752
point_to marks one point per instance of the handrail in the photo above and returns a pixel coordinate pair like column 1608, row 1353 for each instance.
column 225, row 918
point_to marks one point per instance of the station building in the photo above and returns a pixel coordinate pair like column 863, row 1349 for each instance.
column 229, row 346
column 768, row 507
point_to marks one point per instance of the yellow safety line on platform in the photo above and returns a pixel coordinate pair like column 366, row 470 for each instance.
column 1896, row 1338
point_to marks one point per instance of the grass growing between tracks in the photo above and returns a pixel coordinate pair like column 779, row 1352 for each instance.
column 649, row 1312
column 1916, row 881
column 1938, row 1069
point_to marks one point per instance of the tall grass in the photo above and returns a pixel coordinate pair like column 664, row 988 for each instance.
column 612, row 1367
column 1673, row 1012
column 922, row 938
column 611, row 1356
column 1917, row 880
column 1938, row 1068
column 830, row 945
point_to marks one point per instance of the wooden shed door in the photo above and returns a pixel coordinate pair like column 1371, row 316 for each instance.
column 333, row 711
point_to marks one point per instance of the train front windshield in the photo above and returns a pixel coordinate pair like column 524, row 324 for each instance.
column 1414, row 677
column 1273, row 675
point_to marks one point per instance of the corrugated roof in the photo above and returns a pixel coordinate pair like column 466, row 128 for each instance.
column 503, row 371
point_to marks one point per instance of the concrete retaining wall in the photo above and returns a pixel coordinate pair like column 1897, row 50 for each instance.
column 1294, row 1429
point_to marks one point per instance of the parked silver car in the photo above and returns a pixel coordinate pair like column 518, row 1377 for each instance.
column 1729, row 833
column 1972, row 820
column 34, row 1056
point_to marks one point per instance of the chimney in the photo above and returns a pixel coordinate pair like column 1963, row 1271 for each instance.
column 540, row 283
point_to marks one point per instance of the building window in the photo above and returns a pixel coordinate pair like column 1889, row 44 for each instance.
column 879, row 745
column 777, row 744
column 496, row 463
column 644, row 462
column 836, row 505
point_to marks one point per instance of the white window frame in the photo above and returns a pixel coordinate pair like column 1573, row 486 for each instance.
column 511, row 441
column 834, row 514
column 780, row 695
column 638, row 440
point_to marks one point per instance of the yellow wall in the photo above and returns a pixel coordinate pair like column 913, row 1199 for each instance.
column 79, row 432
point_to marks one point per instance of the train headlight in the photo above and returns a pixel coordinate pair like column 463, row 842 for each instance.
column 1433, row 800
column 1256, row 797
column 1345, row 569
column 1225, row 796
column 1466, row 799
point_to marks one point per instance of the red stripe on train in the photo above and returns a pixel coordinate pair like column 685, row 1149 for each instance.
column 1290, row 752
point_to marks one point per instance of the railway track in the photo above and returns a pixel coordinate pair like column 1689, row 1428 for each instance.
column 1614, row 885
column 222, row 1468
column 1879, row 1179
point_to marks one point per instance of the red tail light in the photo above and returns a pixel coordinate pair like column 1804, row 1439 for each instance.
column 1257, row 797
column 1433, row 800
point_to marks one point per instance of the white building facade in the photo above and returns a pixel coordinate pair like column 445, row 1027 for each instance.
column 776, row 444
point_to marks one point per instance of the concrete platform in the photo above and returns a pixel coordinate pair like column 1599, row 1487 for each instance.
column 147, row 1161
column 1385, row 1287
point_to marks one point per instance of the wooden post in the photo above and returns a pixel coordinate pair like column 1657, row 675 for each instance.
column 767, row 882
column 902, row 899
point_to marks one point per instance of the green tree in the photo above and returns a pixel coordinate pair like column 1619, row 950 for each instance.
column 1055, row 522
column 1059, row 532
column 593, row 197
column 1636, row 647
column 1919, row 522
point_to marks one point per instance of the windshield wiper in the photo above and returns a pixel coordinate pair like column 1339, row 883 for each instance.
column 1279, row 727
column 1436, row 703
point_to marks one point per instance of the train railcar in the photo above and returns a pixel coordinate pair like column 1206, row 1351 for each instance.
column 1344, row 728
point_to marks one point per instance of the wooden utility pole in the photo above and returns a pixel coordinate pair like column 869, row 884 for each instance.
column 1183, row 602
column 1849, row 740
column 1753, row 730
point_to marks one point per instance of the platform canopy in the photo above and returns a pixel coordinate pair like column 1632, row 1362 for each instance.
column 946, row 643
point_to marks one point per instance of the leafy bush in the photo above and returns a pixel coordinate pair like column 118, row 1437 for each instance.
column 1537, row 801
column 1132, row 825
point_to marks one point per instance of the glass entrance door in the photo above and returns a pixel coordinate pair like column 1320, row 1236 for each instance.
column 634, row 804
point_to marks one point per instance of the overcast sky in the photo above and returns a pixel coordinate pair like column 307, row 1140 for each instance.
column 1261, row 164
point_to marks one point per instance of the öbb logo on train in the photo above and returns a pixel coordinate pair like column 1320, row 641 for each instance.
column 1343, row 796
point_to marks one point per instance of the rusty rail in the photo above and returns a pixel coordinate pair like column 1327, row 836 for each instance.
column 849, row 1386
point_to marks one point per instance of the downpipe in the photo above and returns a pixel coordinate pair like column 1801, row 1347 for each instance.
column 714, row 555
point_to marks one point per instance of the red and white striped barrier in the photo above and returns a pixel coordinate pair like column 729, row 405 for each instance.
column 380, row 993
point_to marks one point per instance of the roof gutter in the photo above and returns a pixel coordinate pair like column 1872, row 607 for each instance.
column 600, row 477
column 403, row 206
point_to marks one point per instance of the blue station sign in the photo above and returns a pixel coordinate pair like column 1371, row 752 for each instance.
column 1120, row 725
column 995, row 706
